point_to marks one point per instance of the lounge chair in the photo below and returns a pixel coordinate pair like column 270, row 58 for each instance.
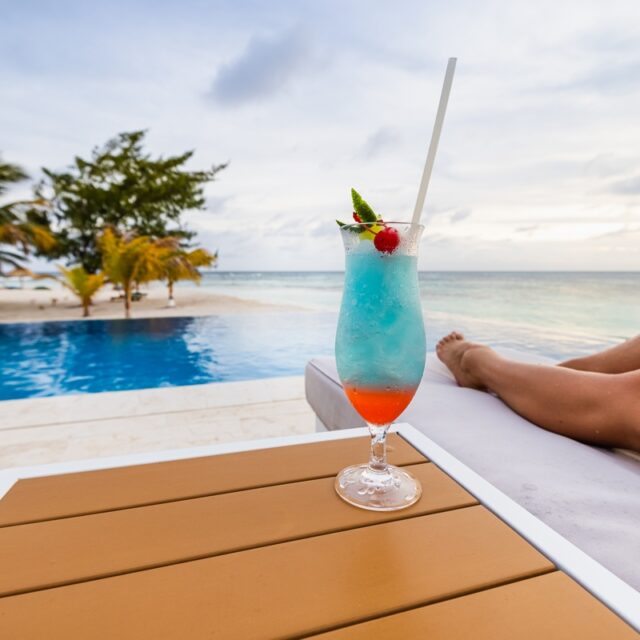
column 589, row 495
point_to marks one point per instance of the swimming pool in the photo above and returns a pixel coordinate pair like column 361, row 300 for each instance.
column 59, row 358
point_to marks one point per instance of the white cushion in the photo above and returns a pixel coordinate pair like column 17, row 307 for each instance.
column 589, row 495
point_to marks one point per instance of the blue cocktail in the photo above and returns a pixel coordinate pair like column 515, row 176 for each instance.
column 380, row 351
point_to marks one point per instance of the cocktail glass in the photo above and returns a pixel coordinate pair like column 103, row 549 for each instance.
column 380, row 353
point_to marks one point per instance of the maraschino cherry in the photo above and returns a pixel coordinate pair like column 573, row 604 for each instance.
column 387, row 240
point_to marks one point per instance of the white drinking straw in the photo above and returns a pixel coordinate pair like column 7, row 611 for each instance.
column 435, row 138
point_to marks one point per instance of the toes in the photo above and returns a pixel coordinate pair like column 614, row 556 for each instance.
column 446, row 339
column 457, row 335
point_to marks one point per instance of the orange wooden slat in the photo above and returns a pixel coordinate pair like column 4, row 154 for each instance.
column 36, row 499
column 551, row 606
column 288, row 589
column 68, row 550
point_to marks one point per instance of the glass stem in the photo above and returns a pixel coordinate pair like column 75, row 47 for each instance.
column 378, row 456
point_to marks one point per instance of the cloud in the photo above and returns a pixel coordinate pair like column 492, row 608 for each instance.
column 448, row 215
column 265, row 67
column 607, row 165
column 217, row 204
column 628, row 186
column 605, row 78
column 460, row 215
column 328, row 228
column 437, row 239
column 378, row 142
column 608, row 40
column 625, row 232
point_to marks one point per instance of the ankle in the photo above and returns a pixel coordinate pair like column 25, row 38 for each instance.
column 473, row 360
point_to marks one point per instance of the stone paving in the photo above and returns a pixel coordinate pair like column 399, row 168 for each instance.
column 62, row 428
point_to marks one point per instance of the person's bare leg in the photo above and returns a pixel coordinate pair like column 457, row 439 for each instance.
column 622, row 358
column 597, row 408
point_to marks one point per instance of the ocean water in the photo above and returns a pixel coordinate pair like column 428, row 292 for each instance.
column 557, row 314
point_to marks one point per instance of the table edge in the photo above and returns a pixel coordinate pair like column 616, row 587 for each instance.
column 616, row 594
column 8, row 477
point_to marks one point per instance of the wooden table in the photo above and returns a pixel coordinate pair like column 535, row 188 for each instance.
column 256, row 544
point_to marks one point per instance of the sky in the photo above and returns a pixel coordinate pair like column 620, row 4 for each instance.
column 539, row 161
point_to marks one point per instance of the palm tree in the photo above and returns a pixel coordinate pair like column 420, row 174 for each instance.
column 20, row 222
column 17, row 228
column 82, row 284
column 10, row 173
column 130, row 260
column 180, row 264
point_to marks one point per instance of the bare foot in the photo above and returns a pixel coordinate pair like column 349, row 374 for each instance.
column 453, row 351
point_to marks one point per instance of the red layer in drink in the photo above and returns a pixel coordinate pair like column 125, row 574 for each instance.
column 379, row 406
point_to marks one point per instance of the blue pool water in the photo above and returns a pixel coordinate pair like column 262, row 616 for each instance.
column 58, row 358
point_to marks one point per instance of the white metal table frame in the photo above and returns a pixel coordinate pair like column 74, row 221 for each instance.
column 616, row 594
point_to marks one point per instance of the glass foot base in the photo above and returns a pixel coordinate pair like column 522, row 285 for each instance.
column 391, row 490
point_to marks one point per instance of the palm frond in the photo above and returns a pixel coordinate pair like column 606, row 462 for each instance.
column 81, row 283
column 10, row 258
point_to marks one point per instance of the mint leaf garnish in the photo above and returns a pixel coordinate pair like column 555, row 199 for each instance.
column 362, row 213
column 362, row 208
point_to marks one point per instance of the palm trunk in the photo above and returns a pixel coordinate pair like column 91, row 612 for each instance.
column 85, row 307
column 127, row 300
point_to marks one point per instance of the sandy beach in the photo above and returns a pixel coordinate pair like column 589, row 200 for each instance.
column 30, row 305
